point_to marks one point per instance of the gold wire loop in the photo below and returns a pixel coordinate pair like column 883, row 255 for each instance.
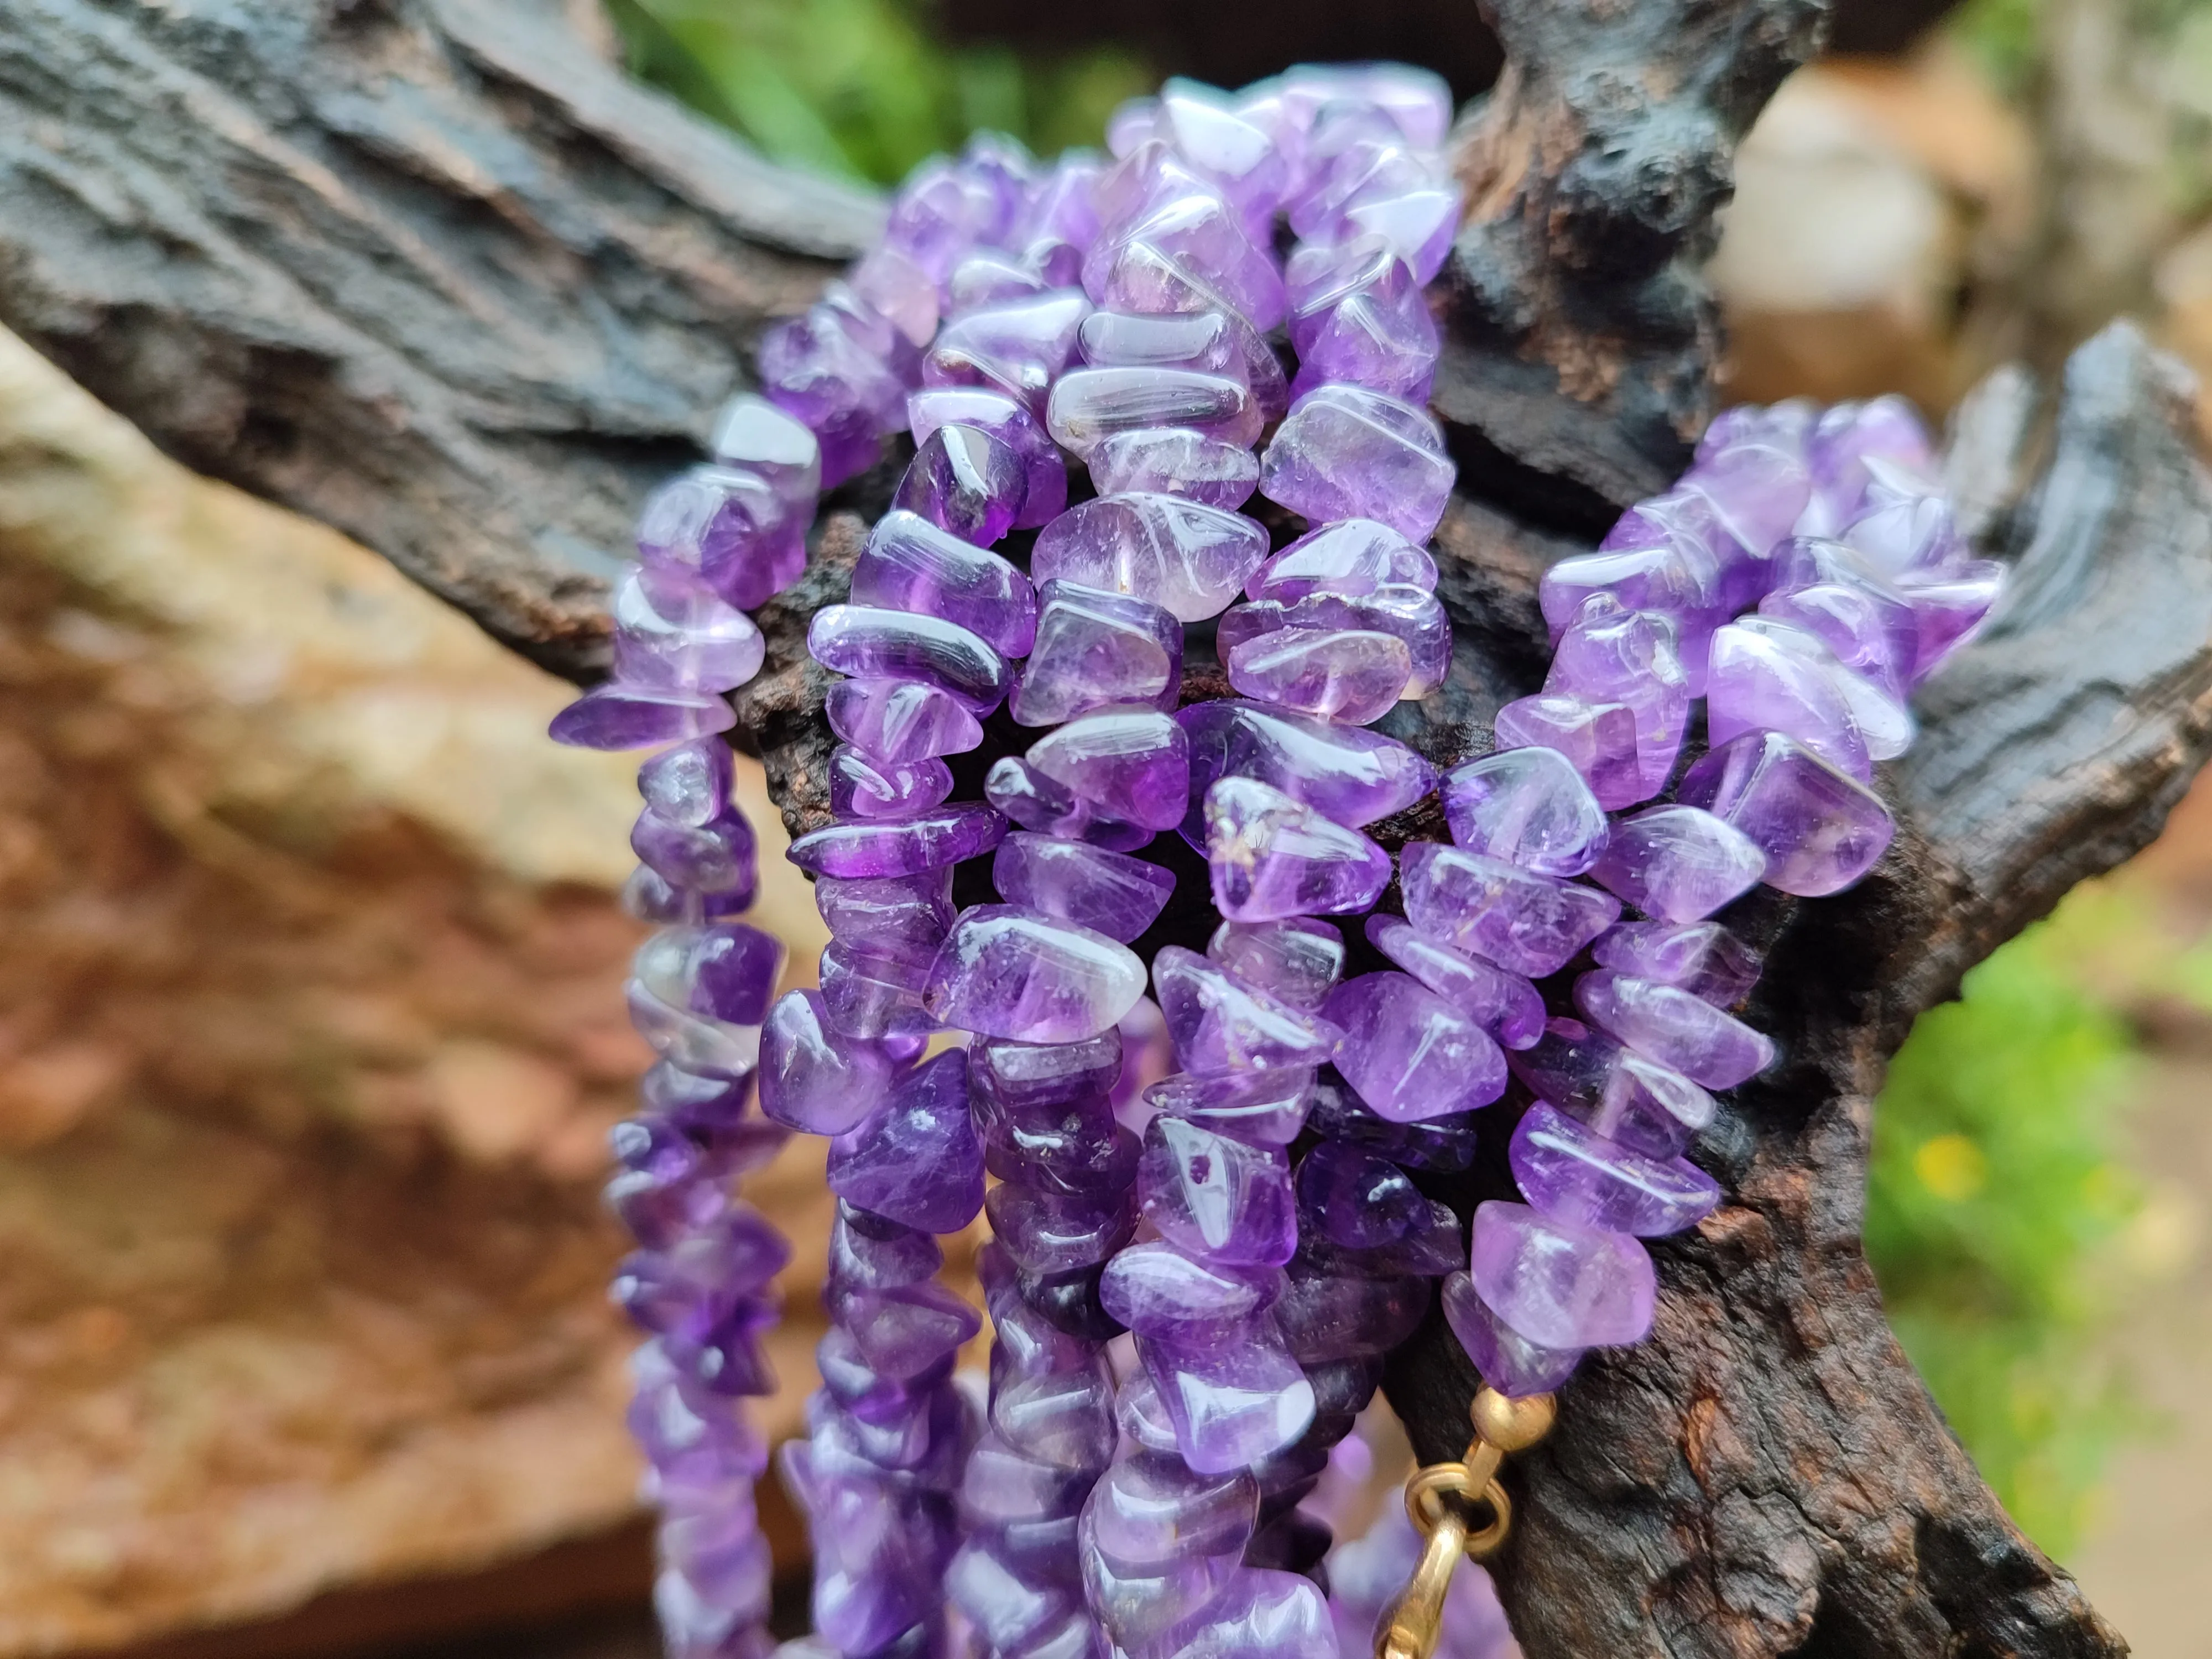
column 1442, row 1501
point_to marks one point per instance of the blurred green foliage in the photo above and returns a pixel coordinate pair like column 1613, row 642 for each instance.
column 1997, row 1196
column 867, row 88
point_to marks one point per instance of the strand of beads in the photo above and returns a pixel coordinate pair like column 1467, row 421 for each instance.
column 725, row 536
column 1833, row 526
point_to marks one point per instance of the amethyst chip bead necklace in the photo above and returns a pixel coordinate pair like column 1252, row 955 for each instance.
column 1251, row 1222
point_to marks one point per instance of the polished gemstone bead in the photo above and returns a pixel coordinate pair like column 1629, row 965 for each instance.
column 1148, row 1511
column 1352, row 776
column 1297, row 959
column 1044, row 493
column 916, row 1161
column 1018, row 347
column 1348, row 452
column 861, row 787
column 870, row 643
column 1272, row 856
column 1006, row 1610
column 913, row 910
column 1529, row 807
column 986, row 278
column 1074, row 1147
column 1215, row 1197
column 1570, row 1174
column 1009, row 973
column 699, row 994
column 1220, row 146
column 1090, row 405
column 1233, row 1399
column 1187, row 558
column 1187, row 253
column 872, row 988
column 1645, row 1106
column 1210, row 341
column 1129, row 764
column 1760, row 682
column 898, row 720
column 1356, row 1198
column 1409, row 1054
column 1844, row 444
column 1677, row 864
column 1351, row 675
column 897, row 285
column 1050, row 1232
column 908, row 1331
column 1418, row 224
column 1264, row 1107
column 1559, row 1283
column 1036, row 802
column 899, row 847
column 1221, row 1026
column 1686, row 1033
column 1443, row 1143
column 1106, row 892
column 1175, row 461
column 1612, row 654
column 1017, row 1076
column 1355, row 557
column 966, row 482
column 649, row 896
column 1384, row 340
column 1065, row 1419
column 752, row 433
column 1598, row 738
column 1820, row 829
column 1143, row 1613
column 1505, row 1005
column 1319, row 277
column 1410, row 614
column 813, row 368
column 1526, row 923
column 1264, row 1613
column 910, row 564
column 638, row 717
column 711, row 859
column 1869, row 625
column 1672, row 571
column 1701, row 957
column 1508, row 1361
column 1157, row 1290
column 1333, row 1316
column 1949, row 607
column 674, row 632
column 813, row 1078
column 1095, row 648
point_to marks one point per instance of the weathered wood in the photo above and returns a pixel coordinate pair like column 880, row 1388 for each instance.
column 433, row 274
column 430, row 271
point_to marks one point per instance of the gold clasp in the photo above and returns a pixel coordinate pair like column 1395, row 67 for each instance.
column 1443, row 1500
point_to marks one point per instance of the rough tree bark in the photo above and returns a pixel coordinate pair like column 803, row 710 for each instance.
column 432, row 272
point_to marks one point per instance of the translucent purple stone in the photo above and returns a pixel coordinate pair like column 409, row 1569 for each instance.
column 861, row 787
column 1677, row 864
column 898, row 720
column 1701, row 957
column 1018, row 347
column 1639, row 1103
column 1044, row 492
column 966, row 482
column 1048, row 1232
column 1529, row 807
column 811, row 1077
column 1508, row 1361
column 1297, row 960
column 676, row 633
column 1682, row 1032
column 1132, row 765
column 638, row 717
column 1407, row 1052
column 1006, row 972
column 1598, row 739
column 1350, row 676
column 1505, row 1005
column 1820, row 829
column 1157, row 1290
column 1108, row 892
column 1610, row 654
column 1355, row 557
column 1175, row 461
column 1233, row 1399
column 1560, row 1284
column 899, row 847
column 1272, row 856
column 1189, row 559
column 916, row 1161
column 1569, row 1173
column 1146, row 1512
column 1352, row 775
column 1349, row 452
column 1217, row 1198
column 1759, row 681
column 869, row 643
column 1526, row 923
column 1219, row 1025
column 1090, row 405
column 914, row 909
column 911, row 564
column 1094, row 648
column 1265, row 1107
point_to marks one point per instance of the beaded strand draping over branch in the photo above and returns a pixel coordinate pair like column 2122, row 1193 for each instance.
column 1250, row 1220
